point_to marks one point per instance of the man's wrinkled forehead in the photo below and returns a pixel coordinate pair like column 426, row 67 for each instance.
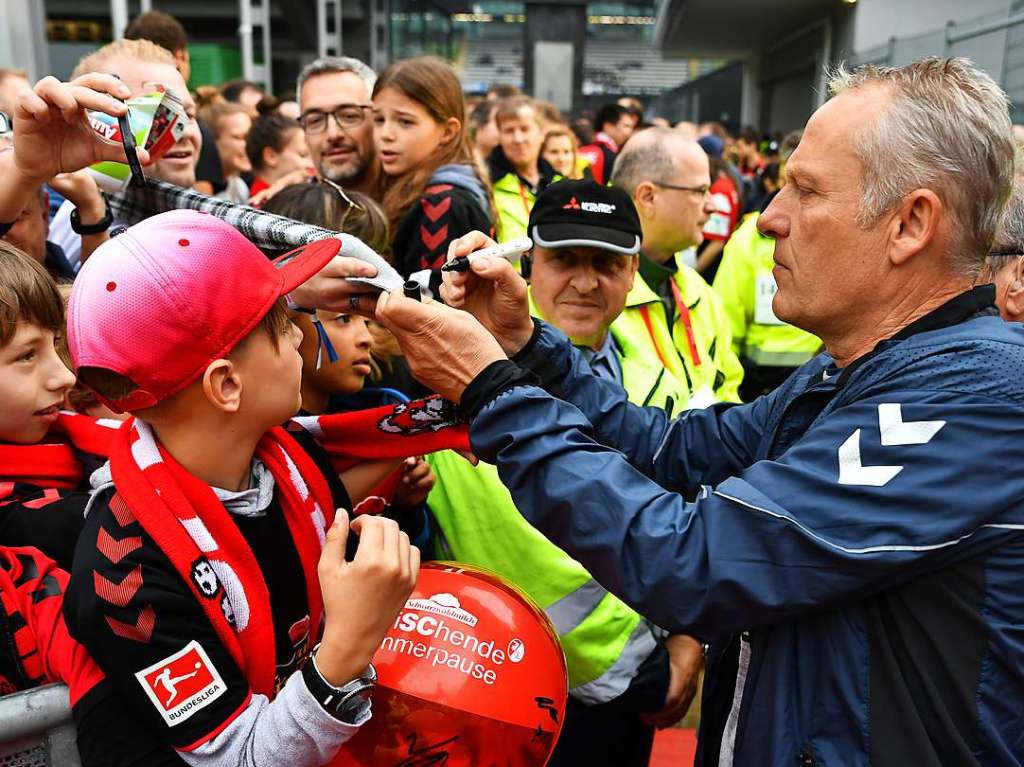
column 327, row 90
column 829, row 140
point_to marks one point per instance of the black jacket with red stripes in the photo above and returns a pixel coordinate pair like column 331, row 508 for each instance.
column 443, row 213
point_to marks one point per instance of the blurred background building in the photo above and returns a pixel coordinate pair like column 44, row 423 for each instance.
column 740, row 62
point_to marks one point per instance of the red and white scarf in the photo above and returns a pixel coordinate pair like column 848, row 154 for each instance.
column 55, row 462
column 183, row 515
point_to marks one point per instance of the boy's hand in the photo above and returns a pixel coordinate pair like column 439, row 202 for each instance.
column 416, row 483
column 80, row 188
column 329, row 289
column 362, row 598
column 51, row 132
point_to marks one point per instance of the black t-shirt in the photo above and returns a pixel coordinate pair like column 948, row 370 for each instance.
column 131, row 609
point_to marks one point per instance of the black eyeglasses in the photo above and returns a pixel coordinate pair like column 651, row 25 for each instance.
column 346, row 117
column 702, row 190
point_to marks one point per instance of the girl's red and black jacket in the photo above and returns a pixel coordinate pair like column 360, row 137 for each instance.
column 453, row 203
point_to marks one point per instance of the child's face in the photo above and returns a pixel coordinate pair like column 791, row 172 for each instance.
column 33, row 384
column 405, row 133
column 271, row 377
column 558, row 152
column 351, row 340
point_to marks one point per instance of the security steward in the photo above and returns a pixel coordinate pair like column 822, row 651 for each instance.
column 768, row 348
column 668, row 178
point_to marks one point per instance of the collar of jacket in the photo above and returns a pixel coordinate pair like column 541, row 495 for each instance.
column 607, row 141
column 464, row 177
column 978, row 301
column 499, row 166
column 656, row 274
column 641, row 293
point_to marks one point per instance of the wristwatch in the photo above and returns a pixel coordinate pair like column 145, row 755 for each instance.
column 99, row 227
column 350, row 703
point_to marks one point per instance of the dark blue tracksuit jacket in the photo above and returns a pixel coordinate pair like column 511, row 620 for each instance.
column 851, row 545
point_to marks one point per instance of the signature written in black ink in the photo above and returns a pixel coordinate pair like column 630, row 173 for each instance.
column 427, row 755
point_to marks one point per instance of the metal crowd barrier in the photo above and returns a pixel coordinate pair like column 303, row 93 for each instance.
column 36, row 729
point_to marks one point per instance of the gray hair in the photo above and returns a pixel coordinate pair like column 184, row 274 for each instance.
column 329, row 65
column 644, row 160
column 946, row 128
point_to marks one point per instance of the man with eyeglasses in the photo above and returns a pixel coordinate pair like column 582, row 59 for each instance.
column 1004, row 265
column 668, row 177
column 334, row 99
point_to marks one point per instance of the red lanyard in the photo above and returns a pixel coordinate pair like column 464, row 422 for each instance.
column 684, row 315
column 522, row 196
column 646, row 314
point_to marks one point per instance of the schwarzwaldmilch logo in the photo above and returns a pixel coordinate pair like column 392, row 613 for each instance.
column 443, row 604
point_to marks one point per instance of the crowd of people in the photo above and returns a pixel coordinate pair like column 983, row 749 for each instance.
column 191, row 422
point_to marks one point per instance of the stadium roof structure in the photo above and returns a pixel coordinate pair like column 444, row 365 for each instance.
column 732, row 28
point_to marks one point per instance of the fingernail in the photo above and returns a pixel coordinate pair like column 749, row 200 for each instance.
column 483, row 261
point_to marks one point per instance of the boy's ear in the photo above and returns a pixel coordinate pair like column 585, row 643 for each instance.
column 222, row 386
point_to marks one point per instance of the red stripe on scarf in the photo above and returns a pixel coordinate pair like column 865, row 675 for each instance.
column 54, row 463
column 393, row 431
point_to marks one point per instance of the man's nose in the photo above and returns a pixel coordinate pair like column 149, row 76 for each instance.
column 773, row 221
column 332, row 130
column 584, row 280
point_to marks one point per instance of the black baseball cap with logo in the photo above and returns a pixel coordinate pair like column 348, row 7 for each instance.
column 585, row 214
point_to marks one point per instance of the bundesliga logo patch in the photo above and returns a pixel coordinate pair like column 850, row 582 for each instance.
column 182, row 684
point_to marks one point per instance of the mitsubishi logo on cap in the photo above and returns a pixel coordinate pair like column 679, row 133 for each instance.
column 589, row 207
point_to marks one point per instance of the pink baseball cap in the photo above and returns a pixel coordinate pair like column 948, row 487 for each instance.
column 166, row 297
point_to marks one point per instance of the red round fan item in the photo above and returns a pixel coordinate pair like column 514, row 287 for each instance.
column 471, row 674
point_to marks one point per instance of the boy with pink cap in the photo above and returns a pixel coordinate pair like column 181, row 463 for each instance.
column 199, row 585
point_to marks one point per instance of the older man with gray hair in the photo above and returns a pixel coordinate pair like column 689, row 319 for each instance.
column 335, row 105
column 850, row 545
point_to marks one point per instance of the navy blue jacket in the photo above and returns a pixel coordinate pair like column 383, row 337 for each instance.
column 851, row 545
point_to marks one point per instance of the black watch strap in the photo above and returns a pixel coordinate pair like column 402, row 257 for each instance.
column 350, row 703
column 99, row 227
